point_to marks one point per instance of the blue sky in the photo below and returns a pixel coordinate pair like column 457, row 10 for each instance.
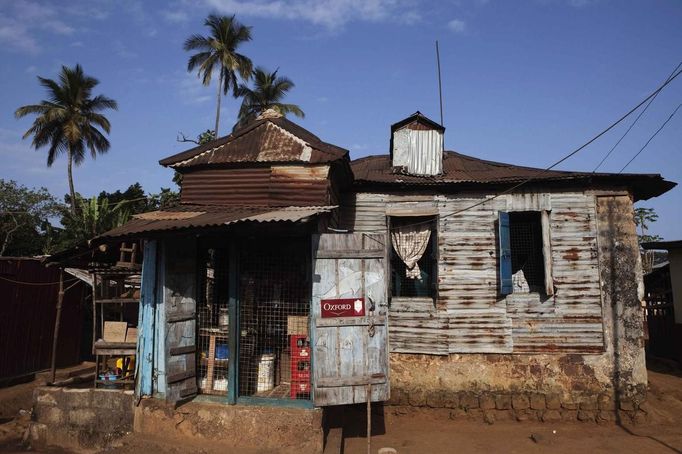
column 523, row 82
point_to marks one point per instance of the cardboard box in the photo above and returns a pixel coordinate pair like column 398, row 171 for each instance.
column 115, row 331
column 297, row 324
column 131, row 335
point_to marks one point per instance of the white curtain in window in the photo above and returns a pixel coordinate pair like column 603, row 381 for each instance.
column 410, row 242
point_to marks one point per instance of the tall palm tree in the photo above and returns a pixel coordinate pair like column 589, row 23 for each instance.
column 69, row 119
column 267, row 93
column 219, row 51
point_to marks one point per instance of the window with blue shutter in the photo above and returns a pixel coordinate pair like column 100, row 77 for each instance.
column 506, row 286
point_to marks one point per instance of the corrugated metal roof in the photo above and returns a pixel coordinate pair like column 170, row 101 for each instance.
column 263, row 140
column 202, row 216
column 462, row 169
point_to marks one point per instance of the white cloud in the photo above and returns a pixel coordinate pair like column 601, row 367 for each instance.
column 175, row 17
column 122, row 50
column 31, row 69
column 457, row 26
column 332, row 14
column 21, row 22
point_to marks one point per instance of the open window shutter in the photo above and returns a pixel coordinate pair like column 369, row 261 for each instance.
column 180, row 329
column 547, row 253
column 506, row 286
column 350, row 352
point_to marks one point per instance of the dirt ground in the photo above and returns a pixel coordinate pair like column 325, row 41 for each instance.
column 431, row 431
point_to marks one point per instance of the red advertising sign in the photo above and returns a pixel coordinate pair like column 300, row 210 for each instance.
column 344, row 307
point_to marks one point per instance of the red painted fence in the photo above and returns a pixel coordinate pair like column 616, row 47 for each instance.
column 28, row 301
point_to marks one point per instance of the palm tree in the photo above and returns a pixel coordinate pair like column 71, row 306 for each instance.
column 68, row 120
column 269, row 89
column 219, row 51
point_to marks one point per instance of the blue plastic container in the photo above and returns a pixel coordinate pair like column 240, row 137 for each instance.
column 222, row 351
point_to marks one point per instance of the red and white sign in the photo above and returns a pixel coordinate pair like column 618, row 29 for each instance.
column 344, row 307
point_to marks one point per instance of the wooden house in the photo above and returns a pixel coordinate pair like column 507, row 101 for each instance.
column 290, row 274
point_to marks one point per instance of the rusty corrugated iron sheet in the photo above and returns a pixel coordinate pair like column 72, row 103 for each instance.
column 265, row 140
column 27, row 315
column 467, row 170
column 204, row 216
column 263, row 186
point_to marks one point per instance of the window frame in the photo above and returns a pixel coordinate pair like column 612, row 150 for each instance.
column 505, row 286
column 434, row 255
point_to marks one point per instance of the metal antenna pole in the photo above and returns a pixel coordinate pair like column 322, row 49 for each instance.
column 440, row 87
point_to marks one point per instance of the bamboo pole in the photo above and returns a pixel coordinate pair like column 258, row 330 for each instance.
column 57, row 322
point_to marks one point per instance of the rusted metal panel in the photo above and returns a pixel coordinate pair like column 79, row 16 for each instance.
column 263, row 140
column 211, row 216
column 265, row 186
column 467, row 171
column 27, row 316
column 469, row 315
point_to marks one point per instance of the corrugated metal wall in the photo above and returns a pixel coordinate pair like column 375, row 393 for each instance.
column 265, row 186
column 469, row 315
column 27, row 314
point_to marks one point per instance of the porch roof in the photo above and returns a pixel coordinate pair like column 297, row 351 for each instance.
column 203, row 216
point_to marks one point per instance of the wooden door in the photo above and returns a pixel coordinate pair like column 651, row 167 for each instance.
column 180, row 319
column 350, row 352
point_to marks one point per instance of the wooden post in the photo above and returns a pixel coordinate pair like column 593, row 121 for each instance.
column 369, row 418
column 57, row 320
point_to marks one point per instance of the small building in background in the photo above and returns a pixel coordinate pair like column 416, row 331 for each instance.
column 663, row 286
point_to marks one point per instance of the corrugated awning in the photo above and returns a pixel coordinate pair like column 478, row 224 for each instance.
column 203, row 216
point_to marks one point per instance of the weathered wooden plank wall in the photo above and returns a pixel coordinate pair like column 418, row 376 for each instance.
column 180, row 318
column 470, row 316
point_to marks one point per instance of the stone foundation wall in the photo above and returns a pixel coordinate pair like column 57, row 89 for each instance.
column 80, row 418
column 546, row 387
column 286, row 430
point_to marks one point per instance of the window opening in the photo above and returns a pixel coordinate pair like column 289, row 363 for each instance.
column 213, row 322
column 274, row 303
column 419, row 282
column 525, row 238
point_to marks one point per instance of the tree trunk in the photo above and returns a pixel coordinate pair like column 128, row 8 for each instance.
column 72, row 191
column 217, row 112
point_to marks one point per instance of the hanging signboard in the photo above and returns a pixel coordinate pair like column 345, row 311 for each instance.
column 343, row 307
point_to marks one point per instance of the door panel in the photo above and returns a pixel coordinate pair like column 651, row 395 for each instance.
column 350, row 352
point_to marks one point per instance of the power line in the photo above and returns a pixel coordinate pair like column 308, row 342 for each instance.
column 547, row 169
column 633, row 123
column 651, row 138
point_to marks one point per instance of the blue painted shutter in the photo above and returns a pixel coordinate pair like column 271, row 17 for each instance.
column 506, row 286
column 145, row 325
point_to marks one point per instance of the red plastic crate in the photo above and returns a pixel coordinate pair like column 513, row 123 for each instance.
column 301, row 387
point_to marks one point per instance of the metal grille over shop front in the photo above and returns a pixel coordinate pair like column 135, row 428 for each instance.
column 274, row 302
column 213, row 322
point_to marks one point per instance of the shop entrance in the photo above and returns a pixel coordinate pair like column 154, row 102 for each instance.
column 262, row 342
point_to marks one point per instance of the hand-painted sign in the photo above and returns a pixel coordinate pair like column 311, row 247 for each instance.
column 345, row 307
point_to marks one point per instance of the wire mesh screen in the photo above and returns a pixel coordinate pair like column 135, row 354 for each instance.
column 213, row 322
column 525, row 235
column 274, row 298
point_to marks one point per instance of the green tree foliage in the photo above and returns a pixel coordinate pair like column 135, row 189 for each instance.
column 69, row 121
column 25, row 214
column 643, row 218
column 93, row 217
column 109, row 210
column 268, row 91
column 218, row 51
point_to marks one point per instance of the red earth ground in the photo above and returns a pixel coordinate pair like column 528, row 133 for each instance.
column 424, row 431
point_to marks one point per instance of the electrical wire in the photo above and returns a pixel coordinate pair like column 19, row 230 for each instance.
column 36, row 283
column 651, row 138
column 547, row 169
column 633, row 123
